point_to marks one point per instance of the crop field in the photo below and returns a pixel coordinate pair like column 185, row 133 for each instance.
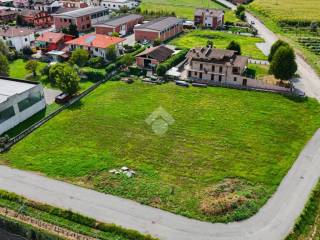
column 221, row 158
column 199, row 38
column 184, row 8
column 288, row 10
column 312, row 43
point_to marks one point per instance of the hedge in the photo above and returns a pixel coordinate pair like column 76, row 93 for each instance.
column 94, row 75
column 171, row 62
column 77, row 218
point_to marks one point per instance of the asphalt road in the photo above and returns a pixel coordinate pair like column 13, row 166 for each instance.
column 273, row 222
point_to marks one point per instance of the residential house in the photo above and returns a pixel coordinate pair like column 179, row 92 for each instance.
column 17, row 37
column 122, row 25
column 19, row 100
column 21, row 3
column 46, row 5
column 74, row 4
column 162, row 28
column 211, row 66
column 209, row 18
column 151, row 57
column 36, row 18
column 119, row 4
column 8, row 15
column 83, row 18
column 96, row 44
column 49, row 41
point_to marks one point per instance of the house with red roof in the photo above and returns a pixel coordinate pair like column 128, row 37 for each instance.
column 49, row 41
column 96, row 44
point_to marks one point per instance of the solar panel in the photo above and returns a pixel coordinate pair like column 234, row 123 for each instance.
column 90, row 39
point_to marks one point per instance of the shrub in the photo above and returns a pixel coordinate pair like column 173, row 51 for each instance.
column 111, row 67
column 93, row 75
column 171, row 62
column 96, row 62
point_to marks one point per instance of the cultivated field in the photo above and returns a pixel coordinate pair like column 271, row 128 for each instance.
column 220, row 160
column 199, row 38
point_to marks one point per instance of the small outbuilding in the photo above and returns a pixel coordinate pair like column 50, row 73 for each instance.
column 151, row 57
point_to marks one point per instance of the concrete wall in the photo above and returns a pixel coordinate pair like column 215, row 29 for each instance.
column 27, row 113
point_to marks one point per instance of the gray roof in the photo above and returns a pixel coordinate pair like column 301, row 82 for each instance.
column 80, row 12
column 160, row 24
column 208, row 12
column 114, row 22
column 9, row 88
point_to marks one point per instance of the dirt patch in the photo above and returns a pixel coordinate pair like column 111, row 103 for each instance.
column 226, row 196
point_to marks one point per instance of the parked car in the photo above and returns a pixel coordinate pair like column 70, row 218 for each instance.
column 182, row 83
column 62, row 98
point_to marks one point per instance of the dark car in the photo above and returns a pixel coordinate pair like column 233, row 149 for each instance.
column 182, row 83
column 62, row 98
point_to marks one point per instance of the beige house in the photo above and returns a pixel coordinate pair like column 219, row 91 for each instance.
column 210, row 65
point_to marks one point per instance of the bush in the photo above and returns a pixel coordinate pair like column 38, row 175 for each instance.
column 137, row 71
column 115, row 78
column 93, row 75
column 171, row 62
column 110, row 68
column 96, row 62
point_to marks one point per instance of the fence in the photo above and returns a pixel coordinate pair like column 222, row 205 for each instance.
column 258, row 61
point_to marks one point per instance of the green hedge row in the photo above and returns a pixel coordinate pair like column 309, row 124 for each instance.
column 77, row 218
column 25, row 230
column 171, row 62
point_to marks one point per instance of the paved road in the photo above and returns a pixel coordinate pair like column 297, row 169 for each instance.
column 273, row 222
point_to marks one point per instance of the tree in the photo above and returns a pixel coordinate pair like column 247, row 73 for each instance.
column 115, row 34
column 54, row 71
column 19, row 20
column 68, row 80
column 283, row 65
column 235, row 46
column 239, row 10
column 127, row 60
column 4, row 50
column 161, row 70
column 210, row 43
column 32, row 66
column 111, row 53
column 314, row 26
column 4, row 65
column 79, row 57
column 157, row 42
column 275, row 47
column 72, row 30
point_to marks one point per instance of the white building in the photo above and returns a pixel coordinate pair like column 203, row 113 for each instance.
column 118, row 4
column 17, row 37
column 19, row 100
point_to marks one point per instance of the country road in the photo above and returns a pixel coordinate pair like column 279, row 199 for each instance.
column 273, row 222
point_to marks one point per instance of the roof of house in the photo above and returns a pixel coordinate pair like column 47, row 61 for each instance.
column 159, row 24
column 7, row 12
column 208, row 12
column 114, row 22
column 95, row 40
column 63, row 10
column 50, row 37
column 159, row 53
column 9, row 88
column 15, row 31
column 210, row 54
column 29, row 12
column 80, row 12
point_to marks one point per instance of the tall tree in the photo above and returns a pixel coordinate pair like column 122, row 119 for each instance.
column 4, row 50
column 4, row 65
column 283, row 65
column 32, row 66
column 68, row 80
column 235, row 46
column 275, row 47
column 111, row 53
column 79, row 57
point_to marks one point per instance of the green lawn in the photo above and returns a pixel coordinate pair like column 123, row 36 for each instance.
column 260, row 70
column 218, row 134
column 184, row 8
column 199, row 38
column 17, row 70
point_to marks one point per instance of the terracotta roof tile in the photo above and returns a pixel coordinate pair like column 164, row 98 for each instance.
column 95, row 40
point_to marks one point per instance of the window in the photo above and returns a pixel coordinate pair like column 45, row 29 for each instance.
column 212, row 77
column 201, row 66
column 26, row 39
column 220, row 70
column 196, row 73
column 235, row 79
column 32, row 99
column 220, row 78
column 189, row 73
column 200, row 75
column 213, row 68
column 6, row 114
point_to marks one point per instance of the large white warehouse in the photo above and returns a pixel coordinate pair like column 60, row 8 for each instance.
column 19, row 100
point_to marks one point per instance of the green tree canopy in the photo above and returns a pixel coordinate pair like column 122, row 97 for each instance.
column 32, row 66
column 68, row 80
column 157, row 42
column 111, row 53
column 4, row 50
column 4, row 65
column 127, row 60
column 79, row 57
column 275, row 47
column 283, row 65
column 54, row 71
column 235, row 46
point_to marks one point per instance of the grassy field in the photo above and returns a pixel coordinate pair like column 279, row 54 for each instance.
column 199, row 38
column 239, row 141
column 17, row 70
column 184, row 8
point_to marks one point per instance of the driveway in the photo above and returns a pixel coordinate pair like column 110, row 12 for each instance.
column 273, row 222
column 130, row 40
column 50, row 95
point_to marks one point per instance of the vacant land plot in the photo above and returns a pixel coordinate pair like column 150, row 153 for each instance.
column 223, row 156
column 199, row 38
column 184, row 8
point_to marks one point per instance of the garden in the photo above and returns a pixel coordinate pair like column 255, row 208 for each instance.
column 221, row 158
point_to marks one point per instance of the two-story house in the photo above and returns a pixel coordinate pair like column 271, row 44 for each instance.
column 209, row 18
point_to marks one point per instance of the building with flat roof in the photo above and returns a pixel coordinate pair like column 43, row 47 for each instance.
column 83, row 18
column 119, row 4
column 162, row 28
column 19, row 100
column 122, row 24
